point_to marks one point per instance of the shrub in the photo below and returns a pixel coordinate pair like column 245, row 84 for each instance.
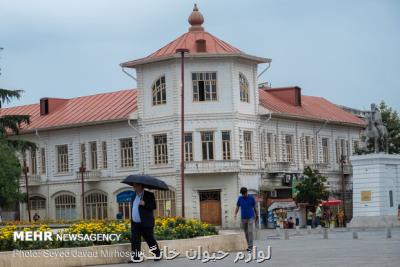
column 165, row 229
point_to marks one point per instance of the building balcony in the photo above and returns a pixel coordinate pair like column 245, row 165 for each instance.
column 33, row 180
column 90, row 175
column 321, row 167
column 280, row 167
column 212, row 166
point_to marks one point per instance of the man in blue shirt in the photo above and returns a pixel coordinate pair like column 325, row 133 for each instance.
column 249, row 213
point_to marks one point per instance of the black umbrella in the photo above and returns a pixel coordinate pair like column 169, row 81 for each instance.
column 147, row 180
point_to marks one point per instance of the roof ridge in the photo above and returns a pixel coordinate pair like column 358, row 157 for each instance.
column 21, row 106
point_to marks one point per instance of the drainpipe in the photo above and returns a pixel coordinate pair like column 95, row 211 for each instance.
column 259, row 130
column 140, row 136
column 262, row 165
column 269, row 65
column 127, row 73
column 129, row 120
column 47, row 181
column 316, row 140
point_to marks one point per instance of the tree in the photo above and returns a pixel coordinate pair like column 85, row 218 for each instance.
column 391, row 120
column 10, row 171
column 311, row 190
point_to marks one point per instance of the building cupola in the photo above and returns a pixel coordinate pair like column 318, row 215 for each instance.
column 196, row 20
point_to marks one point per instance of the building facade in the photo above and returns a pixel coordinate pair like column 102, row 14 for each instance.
column 236, row 134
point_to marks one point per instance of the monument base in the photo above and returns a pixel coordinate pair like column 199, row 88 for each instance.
column 376, row 190
column 374, row 222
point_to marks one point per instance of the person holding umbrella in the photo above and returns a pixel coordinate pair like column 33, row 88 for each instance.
column 143, row 204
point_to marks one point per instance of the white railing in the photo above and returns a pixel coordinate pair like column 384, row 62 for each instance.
column 89, row 175
column 211, row 166
column 33, row 179
column 280, row 167
column 318, row 166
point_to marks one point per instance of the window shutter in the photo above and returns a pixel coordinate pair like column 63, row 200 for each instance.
column 170, row 138
column 303, row 148
column 348, row 151
column 337, row 144
column 241, row 144
column 312, row 151
column 71, row 157
column 263, row 146
column 319, row 149
column 283, row 148
column 117, row 152
column 274, row 149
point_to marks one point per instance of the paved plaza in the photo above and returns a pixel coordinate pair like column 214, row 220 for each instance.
column 372, row 248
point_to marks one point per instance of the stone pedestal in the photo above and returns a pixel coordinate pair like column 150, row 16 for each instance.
column 376, row 190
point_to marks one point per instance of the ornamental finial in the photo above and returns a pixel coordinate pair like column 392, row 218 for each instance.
column 196, row 20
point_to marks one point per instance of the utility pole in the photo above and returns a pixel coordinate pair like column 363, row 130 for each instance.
column 25, row 170
column 82, row 171
column 342, row 161
column 182, row 51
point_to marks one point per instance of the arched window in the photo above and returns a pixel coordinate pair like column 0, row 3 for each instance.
column 65, row 207
column 165, row 201
column 159, row 92
column 244, row 88
column 96, row 206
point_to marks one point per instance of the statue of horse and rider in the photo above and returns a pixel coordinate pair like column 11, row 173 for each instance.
column 376, row 131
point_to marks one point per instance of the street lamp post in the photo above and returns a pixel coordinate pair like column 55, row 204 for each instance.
column 182, row 51
column 25, row 170
column 342, row 161
column 82, row 170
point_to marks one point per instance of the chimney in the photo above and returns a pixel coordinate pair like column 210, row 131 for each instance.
column 44, row 106
column 49, row 105
column 201, row 45
column 290, row 95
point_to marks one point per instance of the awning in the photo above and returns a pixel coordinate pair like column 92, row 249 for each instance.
column 282, row 205
column 331, row 202
column 125, row 196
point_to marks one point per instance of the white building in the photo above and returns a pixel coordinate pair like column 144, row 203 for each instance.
column 237, row 134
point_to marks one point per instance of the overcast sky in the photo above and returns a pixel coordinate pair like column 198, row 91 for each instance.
column 346, row 51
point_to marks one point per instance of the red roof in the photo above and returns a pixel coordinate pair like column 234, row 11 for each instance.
column 117, row 106
column 106, row 107
column 312, row 108
column 213, row 45
column 188, row 40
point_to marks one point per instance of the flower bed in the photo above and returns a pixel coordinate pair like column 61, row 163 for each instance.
column 165, row 229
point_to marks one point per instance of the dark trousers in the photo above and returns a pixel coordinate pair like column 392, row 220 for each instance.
column 137, row 231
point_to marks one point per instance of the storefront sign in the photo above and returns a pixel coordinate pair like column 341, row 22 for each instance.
column 365, row 196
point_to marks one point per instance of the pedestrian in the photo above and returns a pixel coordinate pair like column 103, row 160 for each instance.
column 290, row 223
column 340, row 218
column 318, row 213
column 309, row 218
column 36, row 217
column 143, row 204
column 248, row 212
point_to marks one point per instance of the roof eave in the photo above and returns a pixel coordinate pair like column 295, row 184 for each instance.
column 142, row 61
column 68, row 126
column 304, row 118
